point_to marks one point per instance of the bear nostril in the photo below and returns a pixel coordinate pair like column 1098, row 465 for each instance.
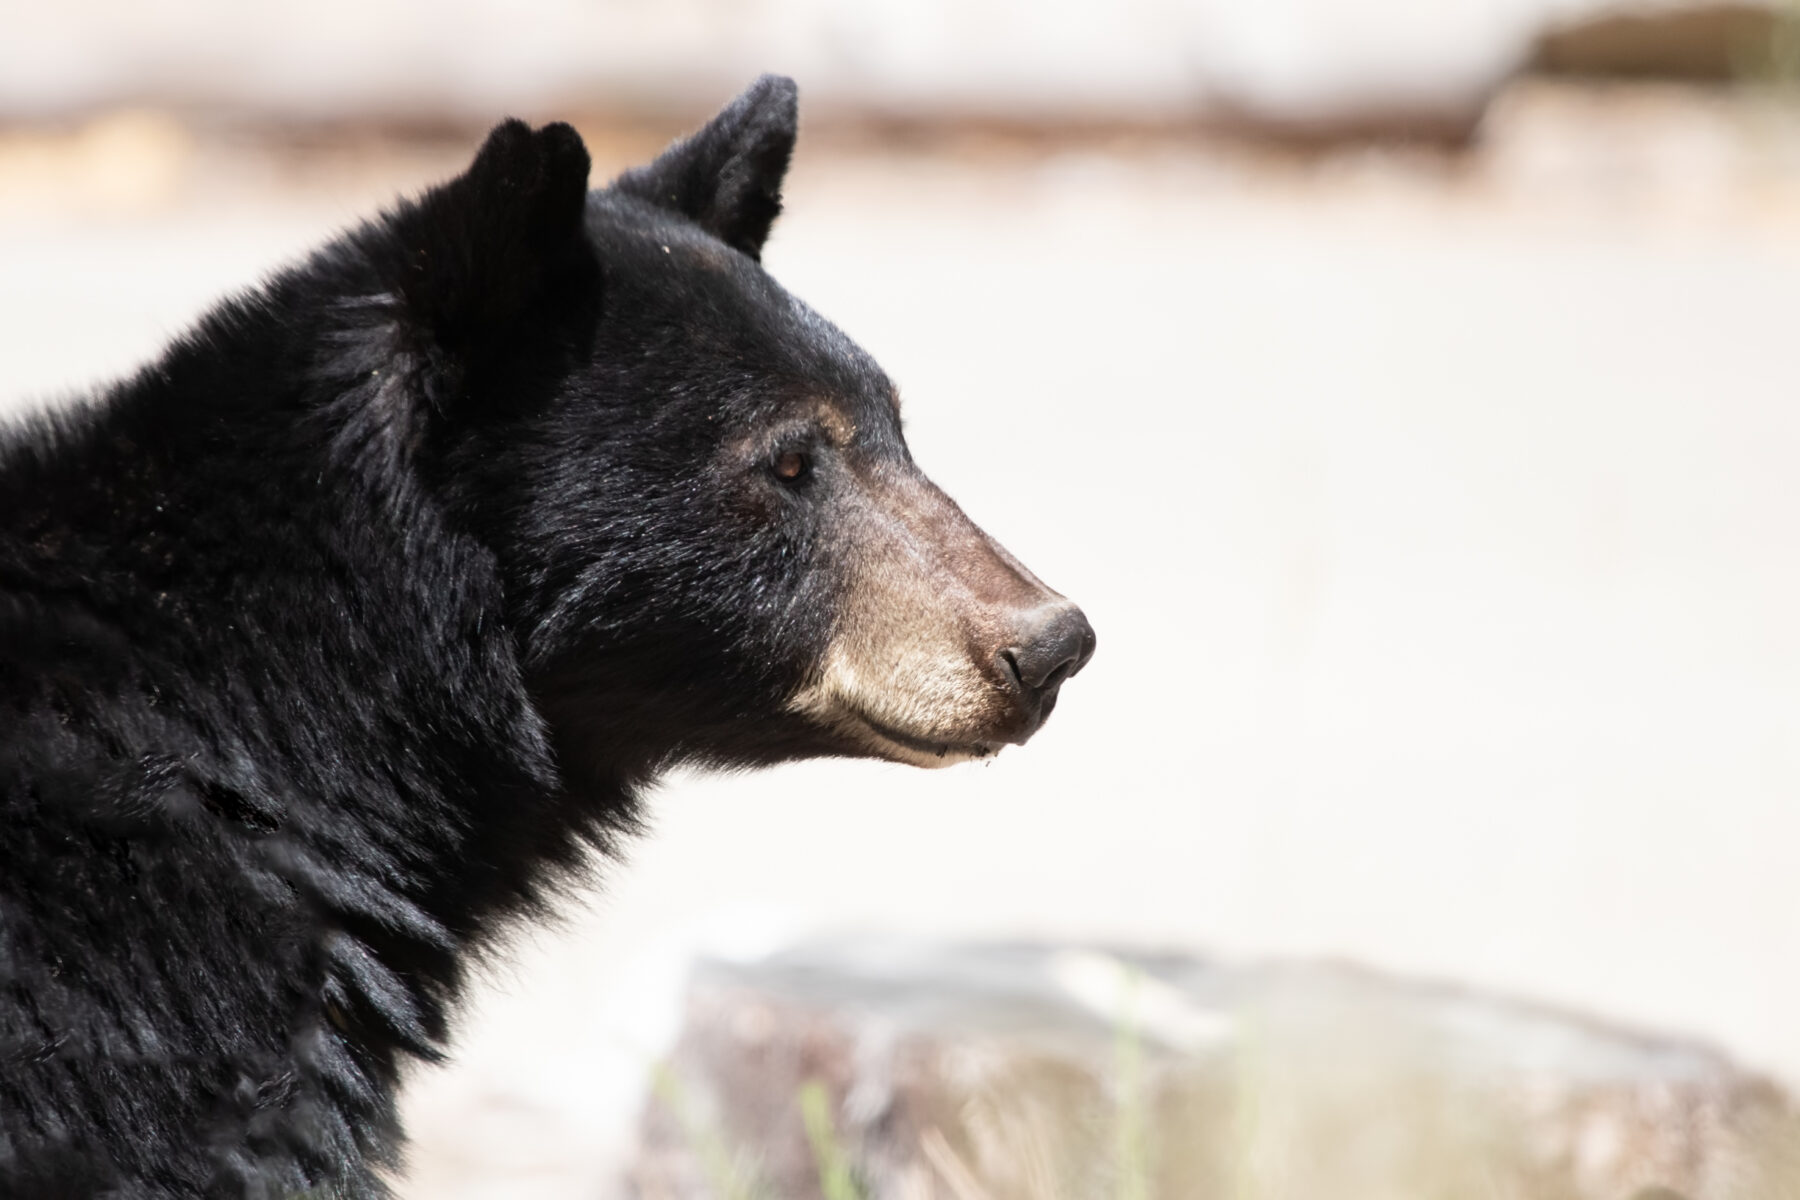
column 1050, row 652
column 1011, row 661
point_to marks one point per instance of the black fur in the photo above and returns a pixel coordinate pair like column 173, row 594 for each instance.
column 727, row 177
column 342, row 635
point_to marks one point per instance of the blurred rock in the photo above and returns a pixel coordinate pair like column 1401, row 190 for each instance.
column 1018, row 1071
column 1677, row 149
column 1316, row 69
column 124, row 161
column 1709, row 42
column 1318, row 72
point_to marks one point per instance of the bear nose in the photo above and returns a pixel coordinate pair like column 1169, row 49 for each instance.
column 1049, row 650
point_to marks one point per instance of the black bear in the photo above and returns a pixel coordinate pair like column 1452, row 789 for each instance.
column 346, row 632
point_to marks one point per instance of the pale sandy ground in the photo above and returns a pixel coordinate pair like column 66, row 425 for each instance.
column 1440, row 528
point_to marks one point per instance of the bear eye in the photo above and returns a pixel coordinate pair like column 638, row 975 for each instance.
column 791, row 466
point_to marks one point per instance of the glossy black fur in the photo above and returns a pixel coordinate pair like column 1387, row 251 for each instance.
column 342, row 635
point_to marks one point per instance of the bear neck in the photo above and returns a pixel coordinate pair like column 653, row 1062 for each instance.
column 362, row 728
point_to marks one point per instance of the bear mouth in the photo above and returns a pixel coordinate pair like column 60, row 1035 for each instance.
column 914, row 750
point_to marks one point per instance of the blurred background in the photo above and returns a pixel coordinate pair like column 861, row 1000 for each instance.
column 1406, row 389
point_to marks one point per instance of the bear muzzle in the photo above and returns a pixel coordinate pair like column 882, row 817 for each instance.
column 906, row 688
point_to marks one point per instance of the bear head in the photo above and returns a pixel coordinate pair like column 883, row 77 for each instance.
column 713, row 542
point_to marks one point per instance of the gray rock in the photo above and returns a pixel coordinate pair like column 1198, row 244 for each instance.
column 994, row 1072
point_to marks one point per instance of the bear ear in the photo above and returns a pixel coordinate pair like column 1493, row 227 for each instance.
column 470, row 256
column 727, row 177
